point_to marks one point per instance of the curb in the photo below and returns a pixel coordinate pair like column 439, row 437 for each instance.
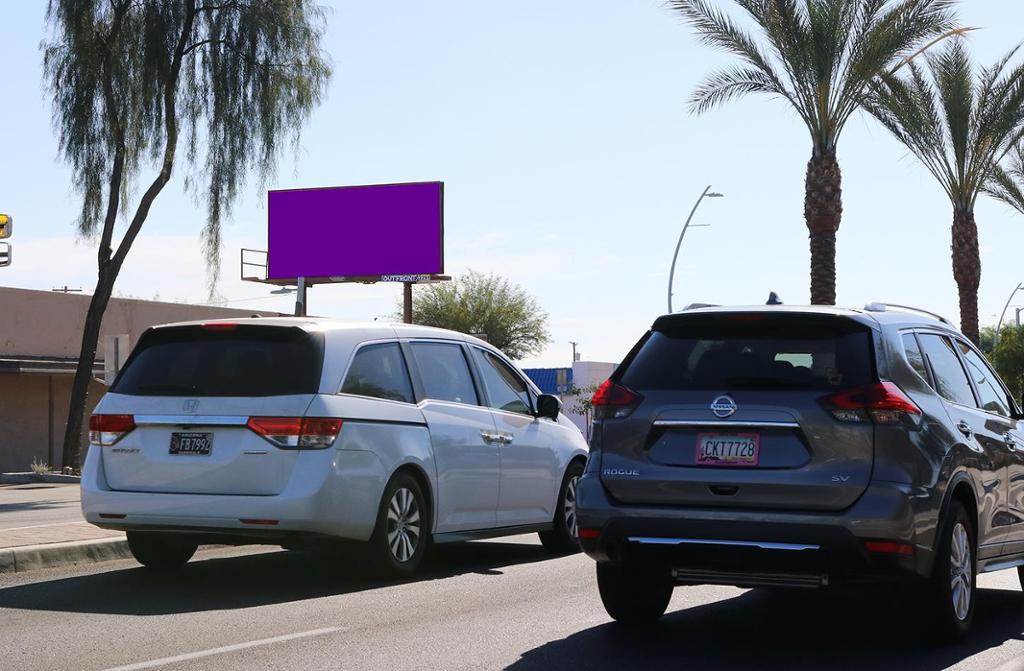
column 30, row 478
column 52, row 555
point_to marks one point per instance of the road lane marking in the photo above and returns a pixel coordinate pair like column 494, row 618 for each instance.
column 227, row 648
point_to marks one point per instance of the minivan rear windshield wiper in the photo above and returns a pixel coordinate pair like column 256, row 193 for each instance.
column 170, row 388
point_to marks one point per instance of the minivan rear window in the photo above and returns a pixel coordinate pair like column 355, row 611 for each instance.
column 226, row 361
column 740, row 351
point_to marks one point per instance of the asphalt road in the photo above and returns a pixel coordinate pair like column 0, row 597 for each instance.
column 483, row 605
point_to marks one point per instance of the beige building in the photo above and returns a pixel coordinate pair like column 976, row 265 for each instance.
column 40, row 338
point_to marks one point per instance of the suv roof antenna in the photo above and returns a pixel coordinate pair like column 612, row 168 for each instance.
column 773, row 299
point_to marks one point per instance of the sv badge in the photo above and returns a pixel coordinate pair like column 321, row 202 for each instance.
column 840, row 478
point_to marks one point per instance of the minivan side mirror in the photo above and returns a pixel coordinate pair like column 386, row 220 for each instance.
column 548, row 406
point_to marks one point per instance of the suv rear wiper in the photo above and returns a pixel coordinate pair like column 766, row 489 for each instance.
column 766, row 382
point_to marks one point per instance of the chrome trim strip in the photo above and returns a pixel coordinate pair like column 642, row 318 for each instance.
column 763, row 545
column 725, row 423
column 191, row 420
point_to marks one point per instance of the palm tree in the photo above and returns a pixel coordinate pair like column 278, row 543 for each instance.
column 821, row 57
column 960, row 124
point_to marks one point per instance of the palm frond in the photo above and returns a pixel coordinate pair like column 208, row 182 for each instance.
column 1006, row 184
column 820, row 55
column 724, row 85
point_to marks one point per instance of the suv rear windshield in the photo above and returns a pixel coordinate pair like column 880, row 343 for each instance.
column 234, row 361
column 751, row 351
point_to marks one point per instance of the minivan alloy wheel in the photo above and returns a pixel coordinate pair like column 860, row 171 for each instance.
column 403, row 525
column 961, row 573
column 569, row 507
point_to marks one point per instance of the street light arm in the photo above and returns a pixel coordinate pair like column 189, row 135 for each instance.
column 672, row 271
column 1002, row 314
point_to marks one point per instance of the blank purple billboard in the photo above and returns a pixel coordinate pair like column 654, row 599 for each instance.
column 356, row 231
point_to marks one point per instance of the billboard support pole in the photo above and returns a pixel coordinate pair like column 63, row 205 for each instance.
column 407, row 302
column 300, row 297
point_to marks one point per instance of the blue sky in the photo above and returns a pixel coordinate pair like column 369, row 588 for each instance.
column 569, row 159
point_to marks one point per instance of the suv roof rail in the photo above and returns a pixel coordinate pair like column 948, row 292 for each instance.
column 885, row 307
column 697, row 306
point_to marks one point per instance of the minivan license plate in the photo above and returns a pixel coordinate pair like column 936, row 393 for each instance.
column 191, row 443
column 728, row 449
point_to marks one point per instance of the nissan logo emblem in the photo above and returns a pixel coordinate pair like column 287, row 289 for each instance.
column 723, row 407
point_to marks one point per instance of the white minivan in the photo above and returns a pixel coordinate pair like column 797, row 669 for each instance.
column 295, row 431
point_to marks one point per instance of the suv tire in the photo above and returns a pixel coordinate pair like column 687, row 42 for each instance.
column 160, row 552
column 402, row 534
column 953, row 587
column 562, row 538
column 633, row 595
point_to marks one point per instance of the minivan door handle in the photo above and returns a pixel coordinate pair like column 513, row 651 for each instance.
column 965, row 429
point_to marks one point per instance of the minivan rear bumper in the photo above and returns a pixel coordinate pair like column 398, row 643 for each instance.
column 757, row 547
column 331, row 492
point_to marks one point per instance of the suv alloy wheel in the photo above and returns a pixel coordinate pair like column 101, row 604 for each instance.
column 954, row 578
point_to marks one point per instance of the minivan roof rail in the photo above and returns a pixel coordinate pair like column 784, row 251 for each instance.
column 885, row 307
column 697, row 306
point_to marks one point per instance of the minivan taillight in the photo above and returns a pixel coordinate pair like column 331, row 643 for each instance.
column 614, row 401
column 106, row 430
column 882, row 403
column 297, row 433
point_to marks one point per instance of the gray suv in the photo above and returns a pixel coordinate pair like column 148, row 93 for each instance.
column 803, row 447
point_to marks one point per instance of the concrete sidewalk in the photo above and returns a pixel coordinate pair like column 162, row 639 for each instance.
column 41, row 526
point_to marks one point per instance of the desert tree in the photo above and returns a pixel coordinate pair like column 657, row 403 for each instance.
column 141, row 86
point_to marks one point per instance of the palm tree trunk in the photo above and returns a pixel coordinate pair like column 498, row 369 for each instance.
column 967, row 269
column 823, row 212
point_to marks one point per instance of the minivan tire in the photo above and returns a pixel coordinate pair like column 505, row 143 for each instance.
column 160, row 552
column 955, row 569
column 562, row 538
column 401, row 521
column 633, row 595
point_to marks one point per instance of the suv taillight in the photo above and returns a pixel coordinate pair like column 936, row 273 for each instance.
column 106, row 430
column 882, row 403
column 297, row 433
column 614, row 401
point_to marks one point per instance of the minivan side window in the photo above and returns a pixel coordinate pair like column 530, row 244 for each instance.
column 505, row 389
column 914, row 356
column 950, row 379
column 444, row 372
column 379, row 371
column 993, row 398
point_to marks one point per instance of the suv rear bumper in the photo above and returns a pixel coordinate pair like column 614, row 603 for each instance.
column 757, row 547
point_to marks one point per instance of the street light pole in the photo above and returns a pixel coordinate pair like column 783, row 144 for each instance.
column 708, row 193
column 1005, row 308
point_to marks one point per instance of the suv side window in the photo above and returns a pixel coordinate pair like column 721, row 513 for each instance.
column 912, row 351
column 444, row 372
column 505, row 389
column 993, row 397
column 379, row 371
column 950, row 379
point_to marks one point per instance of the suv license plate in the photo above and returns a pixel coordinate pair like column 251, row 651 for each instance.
column 191, row 443
column 728, row 449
